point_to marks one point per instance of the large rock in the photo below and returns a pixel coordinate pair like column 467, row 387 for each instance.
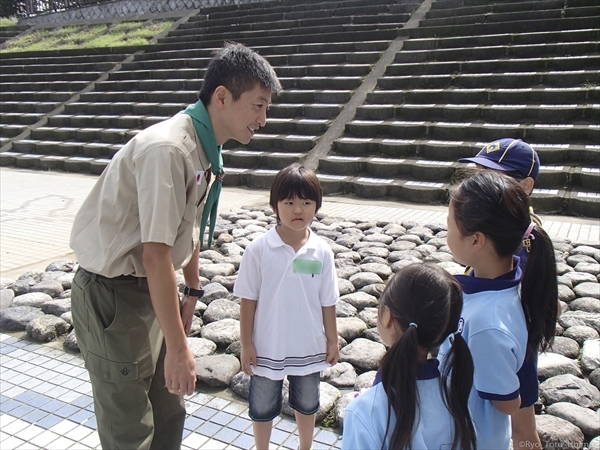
column 222, row 332
column 585, row 304
column 553, row 364
column 46, row 328
column 580, row 333
column 381, row 270
column 590, row 355
column 51, row 287
column 214, row 291
column 566, row 346
column 350, row 327
column 217, row 370
column 240, row 384
column 345, row 287
column 363, row 354
column 343, row 309
column 360, row 300
column 221, row 309
column 341, row 375
column 572, row 318
column 33, row 299
column 579, row 277
column 588, row 290
column 341, row 405
column 64, row 278
column 565, row 293
column 362, row 279
column 595, row 444
column 569, row 388
column 595, row 378
column 365, row 380
column 585, row 419
column 22, row 286
column 212, row 270
column 6, row 297
column 71, row 342
column 61, row 265
column 369, row 316
column 16, row 318
column 226, row 282
column 374, row 289
column 57, row 307
column 555, row 432
column 201, row 347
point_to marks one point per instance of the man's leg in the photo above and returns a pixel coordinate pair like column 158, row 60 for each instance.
column 169, row 410
column 120, row 340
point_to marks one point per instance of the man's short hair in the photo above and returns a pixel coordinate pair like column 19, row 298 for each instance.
column 296, row 181
column 239, row 69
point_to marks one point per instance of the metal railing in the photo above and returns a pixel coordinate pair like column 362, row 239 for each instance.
column 29, row 8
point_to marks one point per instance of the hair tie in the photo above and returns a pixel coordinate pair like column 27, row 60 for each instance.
column 528, row 236
column 456, row 333
column 412, row 324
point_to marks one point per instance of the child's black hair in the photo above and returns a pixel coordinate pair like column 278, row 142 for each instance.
column 293, row 181
column 428, row 296
column 239, row 69
column 496, row 205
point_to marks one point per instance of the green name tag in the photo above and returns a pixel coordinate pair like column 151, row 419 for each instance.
column 308, row 266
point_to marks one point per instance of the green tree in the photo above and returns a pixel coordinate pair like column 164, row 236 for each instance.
column 8, row 8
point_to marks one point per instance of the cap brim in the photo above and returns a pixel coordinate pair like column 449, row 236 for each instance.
column 486, row 163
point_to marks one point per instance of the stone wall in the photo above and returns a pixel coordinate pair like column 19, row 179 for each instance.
column 126, row 9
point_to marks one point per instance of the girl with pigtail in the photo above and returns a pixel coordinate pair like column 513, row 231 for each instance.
column 413, row 403
column 506, row 314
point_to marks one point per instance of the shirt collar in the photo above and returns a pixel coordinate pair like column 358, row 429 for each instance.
column 274, row 240
column 427, row 371
column 472, row 284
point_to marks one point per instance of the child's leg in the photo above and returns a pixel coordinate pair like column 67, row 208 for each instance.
column 306, row 428
column 524, row 433
column 304, row 399
column 265, row 404
column 262, row 434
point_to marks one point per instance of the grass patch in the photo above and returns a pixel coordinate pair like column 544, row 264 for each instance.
column 8, row 21
column 83, row 36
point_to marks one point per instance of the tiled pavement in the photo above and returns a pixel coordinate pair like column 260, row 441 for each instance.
column 46, row 403
column 45, row 395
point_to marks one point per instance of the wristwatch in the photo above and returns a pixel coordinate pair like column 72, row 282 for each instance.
column 188, row 291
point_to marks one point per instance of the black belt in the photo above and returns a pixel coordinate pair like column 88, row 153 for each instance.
column 118, row 278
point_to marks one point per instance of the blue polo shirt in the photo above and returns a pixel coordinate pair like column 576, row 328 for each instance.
column 493, row 325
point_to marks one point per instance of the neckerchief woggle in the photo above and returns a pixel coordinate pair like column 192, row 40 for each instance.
column 204, row 129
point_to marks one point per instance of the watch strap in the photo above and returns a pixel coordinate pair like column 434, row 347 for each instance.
column 188, row 291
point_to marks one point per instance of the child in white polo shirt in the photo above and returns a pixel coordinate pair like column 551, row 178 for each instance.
column 288, row 286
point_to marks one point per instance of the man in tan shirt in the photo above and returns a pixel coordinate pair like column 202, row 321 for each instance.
column 143, row 220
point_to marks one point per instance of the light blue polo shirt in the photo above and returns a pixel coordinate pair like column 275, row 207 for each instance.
column 366, row 416
column 493, row 325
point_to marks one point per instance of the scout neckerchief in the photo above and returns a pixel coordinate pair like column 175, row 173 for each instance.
column 203, row 126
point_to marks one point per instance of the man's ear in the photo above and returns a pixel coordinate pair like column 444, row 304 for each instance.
column 220, row 96
column 527, row 185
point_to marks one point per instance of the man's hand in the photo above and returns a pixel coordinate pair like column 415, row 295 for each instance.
column 188, row 306
column 180, row 371
column 333, row 352
column 248, row 358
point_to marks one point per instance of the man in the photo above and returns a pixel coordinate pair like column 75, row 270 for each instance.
column 143, row 220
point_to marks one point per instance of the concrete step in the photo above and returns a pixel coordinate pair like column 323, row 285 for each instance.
column 488, row 96
column 321, row 83
column 559, row 63
column 498, row 51
column 526, row 113
column 306, row 110
column 543, row 37
column 29, row 107
column 486, row 132
column 310, row 127
column 55, row 86
column 10, row 130
column 38, row 61
column 173, row 84
column 35, row 96
column 451, row 150
column 51, row 162
column 248, row 159
column 314, row 96
column 19, row 118
column 519, row 26
column 83, row 134
column 55, row 68
column 48, row 77
column 507, row 80
column 282, row 143
column 464, row 9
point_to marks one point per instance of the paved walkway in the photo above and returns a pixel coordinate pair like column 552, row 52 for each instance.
column 45, row 394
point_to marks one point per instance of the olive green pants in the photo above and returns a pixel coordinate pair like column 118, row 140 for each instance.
column 122, row 345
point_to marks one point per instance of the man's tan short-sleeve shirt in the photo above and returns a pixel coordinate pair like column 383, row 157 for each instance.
column 152, row 191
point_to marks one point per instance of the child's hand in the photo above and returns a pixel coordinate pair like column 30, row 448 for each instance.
column 333, row 352
column 248, row 358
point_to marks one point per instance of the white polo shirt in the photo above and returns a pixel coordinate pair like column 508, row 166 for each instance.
column 288, row 329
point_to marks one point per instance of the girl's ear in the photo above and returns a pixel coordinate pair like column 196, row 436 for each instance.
column 478, row 240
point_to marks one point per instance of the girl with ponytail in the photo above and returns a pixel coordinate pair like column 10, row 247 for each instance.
column 507, row 314
column 414, row 404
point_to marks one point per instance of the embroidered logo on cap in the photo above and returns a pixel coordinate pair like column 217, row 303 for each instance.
column 492, row 147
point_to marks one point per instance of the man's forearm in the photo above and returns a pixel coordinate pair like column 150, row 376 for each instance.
column 162, row 284
column 191, row 272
